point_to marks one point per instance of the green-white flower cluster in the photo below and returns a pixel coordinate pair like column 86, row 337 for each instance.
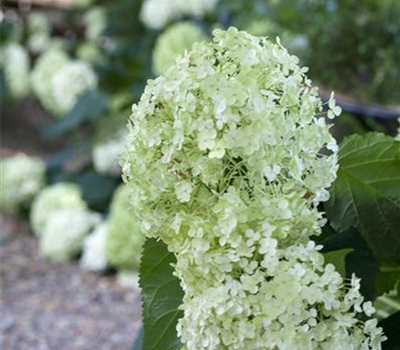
column 16, row 65
column 65, row 231
column 155, row 14
column 225, row 165
column 51, row 199
column 124, row 240
column 39, row 31
column 58, row 82
column 95, row 21
column 22, row 178
column 174, row 42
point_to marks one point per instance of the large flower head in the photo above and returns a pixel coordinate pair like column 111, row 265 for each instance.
column 228, row 156
column 53, row 198
column 174, row 42
column 22, row 177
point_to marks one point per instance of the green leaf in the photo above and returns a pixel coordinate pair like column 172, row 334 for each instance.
column 337, row 258
column 161, row 297
column 388, row 278
column 89, row 107
column 390, row 327
column 360, row 261
column 366, row 193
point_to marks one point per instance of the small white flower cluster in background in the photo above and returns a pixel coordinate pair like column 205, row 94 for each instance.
column 64, row 232
column 94, row 250
column 51, row 199
column 95, row 21
column 106, row 154
column 22, row 177
column 59, row 82
column 39, row 31
column 16, row 64
column 173, row 42
column 155, row 14
column 224, row 164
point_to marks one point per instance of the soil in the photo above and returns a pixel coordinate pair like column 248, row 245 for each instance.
column 47, row 306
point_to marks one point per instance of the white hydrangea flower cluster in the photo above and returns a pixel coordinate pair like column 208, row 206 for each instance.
column 95, row 21
column 51, row 199
column 71, row 82
column 39, row 32
column 65, row 231
column 16, row 64
column 225, row 165
column 174, row 42
column 22, row 177
column 155, row 14
column 45, row 69
column 94, row 250
column 58, row 82
column 106, row 154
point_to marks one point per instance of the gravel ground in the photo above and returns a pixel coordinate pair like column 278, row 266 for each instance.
column 59, row 307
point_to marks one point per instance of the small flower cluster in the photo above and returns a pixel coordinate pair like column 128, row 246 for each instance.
column 58, row 82
column 124, row 240
column 51, row 199
column 106, row 154
column 65, row 231
column 16, row 64
column 155, row 14
column 39, row 31
column 22, row 177
column 94, row 250
column 174, row 42
column 224, row 164
column 95, row 21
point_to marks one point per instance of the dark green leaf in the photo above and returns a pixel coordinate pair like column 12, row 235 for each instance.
column 337, row 258
column 390, row 327
column 366, row 194
column 89, row 107
column 161, row 295
column 360, row 261
column 97, row 189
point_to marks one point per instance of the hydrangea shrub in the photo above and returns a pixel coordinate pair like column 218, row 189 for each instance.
column 174, row 42
column 53, row 198
column 228, row 157
column 124, row 240
column 22, row 177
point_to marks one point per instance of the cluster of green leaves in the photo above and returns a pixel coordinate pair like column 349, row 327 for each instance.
column 362, row 238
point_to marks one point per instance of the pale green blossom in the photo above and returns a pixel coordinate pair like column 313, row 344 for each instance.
column 64, row 233
column 16, row 65
column 224, row 165
column 155, row 14
column 46, row 67
column 174, row 42
column 71, row 81
column 95, row 21
column 124, row 238
column 53, row 198
column 39, row 31
column 22, row 177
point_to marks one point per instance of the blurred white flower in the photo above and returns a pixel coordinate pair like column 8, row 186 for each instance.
column 94, row 250
column 22, row 177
